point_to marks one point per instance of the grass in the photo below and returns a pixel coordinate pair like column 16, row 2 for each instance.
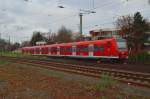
column 3, row 62
column 50, row 73
column 142, row 58
column 105, row 83
column 11, row 54
column 25, row 75
column 108, row 88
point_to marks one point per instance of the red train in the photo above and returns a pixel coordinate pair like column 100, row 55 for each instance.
column 99, row 49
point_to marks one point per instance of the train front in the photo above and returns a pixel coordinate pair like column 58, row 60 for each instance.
column 122, row 49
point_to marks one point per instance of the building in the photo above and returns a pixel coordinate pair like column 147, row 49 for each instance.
column 105, row 33
column 147, row 44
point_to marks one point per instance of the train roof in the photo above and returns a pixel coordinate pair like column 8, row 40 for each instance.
column 73, row 43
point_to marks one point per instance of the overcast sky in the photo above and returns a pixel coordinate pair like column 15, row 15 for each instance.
column 19, row 18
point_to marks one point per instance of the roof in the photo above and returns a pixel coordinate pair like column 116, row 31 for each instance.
column 73, row 43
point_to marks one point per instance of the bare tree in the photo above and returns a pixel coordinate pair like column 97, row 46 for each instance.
column 125, row 23
column 52, row 39
column 15, row 46
column 25, row 43
column 37, row 37
column 140, row 27
column 3, row 44
column 64, row 35
column 133, row 29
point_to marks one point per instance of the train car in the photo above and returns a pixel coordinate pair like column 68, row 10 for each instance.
column 99, row 49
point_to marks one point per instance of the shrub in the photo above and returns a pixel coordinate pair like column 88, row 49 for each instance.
column 142, row 58
column 105, row 83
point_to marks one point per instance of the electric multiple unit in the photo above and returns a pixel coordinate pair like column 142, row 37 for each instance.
column 107, row 48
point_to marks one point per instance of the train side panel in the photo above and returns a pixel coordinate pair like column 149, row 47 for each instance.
column 108, row 48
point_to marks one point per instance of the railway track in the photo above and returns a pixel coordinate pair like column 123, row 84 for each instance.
column 95, row 63
column 134, row 78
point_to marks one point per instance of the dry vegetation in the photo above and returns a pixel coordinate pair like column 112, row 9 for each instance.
column 26, row 82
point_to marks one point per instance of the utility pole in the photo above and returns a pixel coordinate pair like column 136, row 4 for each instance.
column 80, row 14
column 9, row 39
column 9, row 42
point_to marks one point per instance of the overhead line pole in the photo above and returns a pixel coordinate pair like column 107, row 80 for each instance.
column 80, row 14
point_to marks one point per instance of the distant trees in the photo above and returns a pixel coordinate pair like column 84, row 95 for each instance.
column 140, row 26
column 25, row 43
column 134, row 29
column 125, row 23
column 15, row 46
column 7, row 46
column 37, row 37
column 3, row 44
column 52, row 38
column 64, row 35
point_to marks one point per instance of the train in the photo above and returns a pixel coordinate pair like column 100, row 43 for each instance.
column 109, row 48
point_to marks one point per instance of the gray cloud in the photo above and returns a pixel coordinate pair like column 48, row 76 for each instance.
column 19, row 18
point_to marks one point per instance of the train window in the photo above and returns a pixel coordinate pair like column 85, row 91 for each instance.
column 67, row 49
column 78, row 49
column 81, row 49
column 96, row 48
column 122, row 46
column 70, row 49
column 102, row 48
column 109, row 44
column 61, row 49
column 53, row 49
column 58, row 49
column 37, row 50
column 49, row 49
column 73, row 49
column 64, row 50
column 43, row 50
column 90, row 48
column 30, row 50
column 85, row 49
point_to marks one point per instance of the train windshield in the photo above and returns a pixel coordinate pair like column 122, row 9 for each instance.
column 122, row 46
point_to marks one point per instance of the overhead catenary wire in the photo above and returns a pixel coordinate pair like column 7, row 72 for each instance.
column 94, row 8
column 77, row 14
column 74, row 15
column 68, row 16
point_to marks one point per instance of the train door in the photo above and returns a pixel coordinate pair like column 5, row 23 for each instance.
column 40, row 50
column 49, row 51
column 74, row 50
column 33, row 51
column 109, row 48
column 58, row 50
column 91, row 50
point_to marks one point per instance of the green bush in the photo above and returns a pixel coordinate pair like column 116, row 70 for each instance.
column 105, row 83
column 11, row 54
column 142, row 58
